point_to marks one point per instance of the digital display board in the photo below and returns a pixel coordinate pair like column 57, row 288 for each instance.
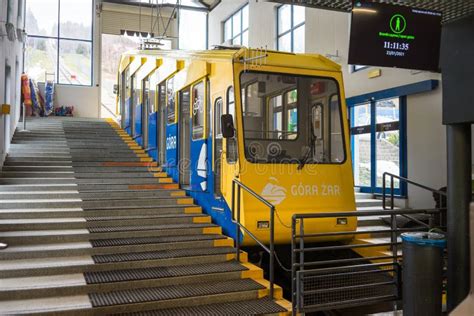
column 394, row 36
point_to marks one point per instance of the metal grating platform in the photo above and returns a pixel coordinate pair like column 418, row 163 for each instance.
column 243, row 308
column 166, row 254
column 161, row 272
column 111, row 229
column 96, row 243
column 172, row 292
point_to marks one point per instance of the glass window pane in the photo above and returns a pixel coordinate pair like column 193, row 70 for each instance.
column 362, row 153
column 40, row 57
column 245, row 38
column 282, row 133
column 171, row 104
column 362, row 115
column 236, row 23
column 192, row 30
column 75, row 19
column 198, row 111
column 298, row 15
column 253, row 106
column 245, row 17
column 298, row 39
column 337, row 145
column 388, row 110
column 237, row 40
column 42, row 17
column 284, row 18
column 75, row 65
column 284, row 43
column 228, row 30
column 388, row 156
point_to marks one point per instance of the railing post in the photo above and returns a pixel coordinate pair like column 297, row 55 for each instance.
column 238, row 224
column 383, row 190
column 299, row 296
column 392, row 194
column 293, row 266
column 272, row 250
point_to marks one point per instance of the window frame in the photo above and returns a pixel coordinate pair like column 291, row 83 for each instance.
column 341, row 118
column 204, row 110
column 234, row 159
column 175, row 96
column 285, row 107
column 291, row 30
column 58, row 38
column 240, row 32
column 217, row 135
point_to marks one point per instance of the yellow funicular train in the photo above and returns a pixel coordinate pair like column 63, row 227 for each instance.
column 275, row 121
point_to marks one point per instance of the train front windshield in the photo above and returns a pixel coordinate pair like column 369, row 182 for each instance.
column 291, row 119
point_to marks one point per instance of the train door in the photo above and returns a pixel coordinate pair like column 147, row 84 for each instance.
column 151, row 144
column 199, row 152
column 131, row 107
column 217, row 153
column 230, row 166
column 135, row 114
column 123, row 96
column 128, row 100
column 184, row 133
column 161, row 123
column 145, row 110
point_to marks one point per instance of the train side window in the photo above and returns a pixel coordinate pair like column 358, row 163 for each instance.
column 337, row 144
column 198, row 110
column 252, row 103
column 291, row 117
column 171, row 104
column 151, row 97
column 231, row 147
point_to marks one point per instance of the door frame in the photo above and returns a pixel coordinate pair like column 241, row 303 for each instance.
column 181, row 144
column 373, row 188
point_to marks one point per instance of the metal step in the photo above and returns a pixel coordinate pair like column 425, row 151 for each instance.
column 113, row 280
column 95, row 227
column 136, row 244
column 106, row 223
column 263, row 306
column 76, row 235
column 79, row 212
column 141, row 299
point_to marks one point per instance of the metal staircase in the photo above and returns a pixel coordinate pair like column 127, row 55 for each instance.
column 95, row 227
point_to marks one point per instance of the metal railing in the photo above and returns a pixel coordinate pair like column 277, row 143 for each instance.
column 440, row 194
column 359, row 271
column 236, row 220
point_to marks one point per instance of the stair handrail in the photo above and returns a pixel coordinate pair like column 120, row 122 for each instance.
column 300, row 265
column 239, row 226
column 408, row 181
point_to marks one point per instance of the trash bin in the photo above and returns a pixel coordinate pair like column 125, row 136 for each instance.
column 422, row 273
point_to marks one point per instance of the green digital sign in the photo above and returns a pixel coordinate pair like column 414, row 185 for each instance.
column 394, row 36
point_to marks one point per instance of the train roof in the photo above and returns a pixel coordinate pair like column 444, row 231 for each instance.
column 241, row 54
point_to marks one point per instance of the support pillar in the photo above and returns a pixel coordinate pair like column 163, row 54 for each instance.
column 459, row 198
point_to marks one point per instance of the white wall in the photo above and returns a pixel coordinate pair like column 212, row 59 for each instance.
column 11, row 54
column 327, row 33
column 426, row 145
